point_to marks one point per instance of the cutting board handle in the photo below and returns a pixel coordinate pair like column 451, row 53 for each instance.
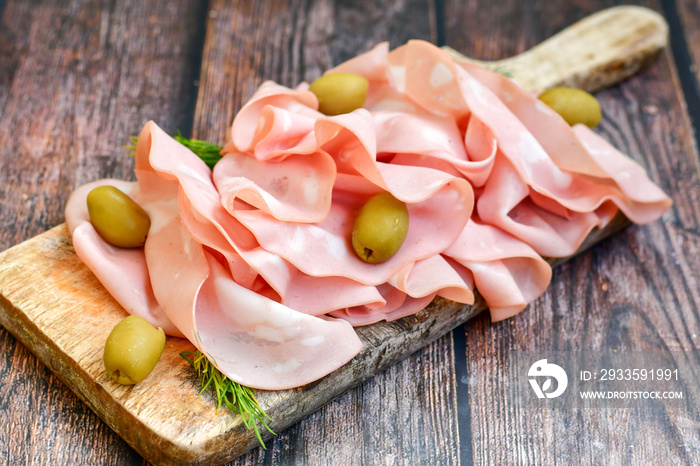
column 595, row 52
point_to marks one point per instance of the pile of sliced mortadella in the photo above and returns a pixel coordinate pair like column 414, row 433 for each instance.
column 253, row 262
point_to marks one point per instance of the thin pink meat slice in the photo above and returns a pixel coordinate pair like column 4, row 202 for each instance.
column 508, row 273
column 123, row 272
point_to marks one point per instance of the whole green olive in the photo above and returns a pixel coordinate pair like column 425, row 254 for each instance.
column 380, row 228
column 117, row 218
column 574, row 105
column 339, row 93
column 132, row 350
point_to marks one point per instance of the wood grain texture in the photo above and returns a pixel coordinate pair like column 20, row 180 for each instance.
column 685, row 37
column 636, row 291
column 573, row 57
column 290, row 42
column 382, row 421
column 688, row 13
column 76, row 79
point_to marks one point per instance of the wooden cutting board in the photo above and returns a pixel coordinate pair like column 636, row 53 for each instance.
column 54, row 305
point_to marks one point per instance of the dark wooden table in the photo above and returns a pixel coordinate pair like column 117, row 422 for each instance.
column 77, row 78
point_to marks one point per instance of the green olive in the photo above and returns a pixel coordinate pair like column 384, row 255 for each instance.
column 117, row 218
column 339, row 93
column 380, row 228
column 132, row 350
column 574, row 105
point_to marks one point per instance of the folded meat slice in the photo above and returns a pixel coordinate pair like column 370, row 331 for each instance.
column 506, row 202
column 436, row 142
column 297, row 188
column 398, row 305
column 579, row 172
column 642, row 200
column 323, row 249
column 248, row 131
column 508, row 273
column 123, row 272
column 264, row 344
column 412, row 289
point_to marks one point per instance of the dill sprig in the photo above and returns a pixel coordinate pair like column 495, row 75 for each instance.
column 209, row 152
column 133, row 140
column 238, row 398
column 501, row 70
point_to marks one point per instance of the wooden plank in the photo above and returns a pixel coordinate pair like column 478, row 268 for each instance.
column 76, row 79
column 573, row 58
column 189, row 431
column 635, row 292
column 290, row 42
column 685, row 37
column 109, row 73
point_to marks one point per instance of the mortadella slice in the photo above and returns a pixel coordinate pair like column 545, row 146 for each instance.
column 123, row 272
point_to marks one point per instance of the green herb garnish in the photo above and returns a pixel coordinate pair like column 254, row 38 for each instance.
column 209, row 152
column 238, row 398
column 501, row 70
column 133, row 140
